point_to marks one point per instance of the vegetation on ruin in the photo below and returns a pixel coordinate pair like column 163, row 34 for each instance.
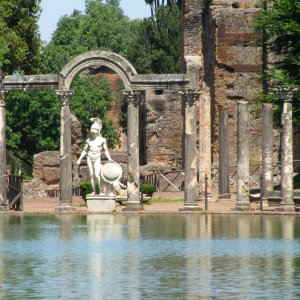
column 280, row 22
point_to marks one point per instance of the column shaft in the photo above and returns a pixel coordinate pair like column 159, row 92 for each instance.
column 242, row 156
column 65, row 152
column 2, row 152
column 204, row 142
column 287, row 201
column 267, row 152
column 224, row 185
column 133, row 179
column 190, row 157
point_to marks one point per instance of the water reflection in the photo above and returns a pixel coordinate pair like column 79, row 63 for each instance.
column 149, row 257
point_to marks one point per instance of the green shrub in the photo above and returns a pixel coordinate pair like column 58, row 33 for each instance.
column 86, row 188
column 148, row 189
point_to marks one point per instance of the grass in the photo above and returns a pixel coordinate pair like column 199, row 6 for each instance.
column 153, row 200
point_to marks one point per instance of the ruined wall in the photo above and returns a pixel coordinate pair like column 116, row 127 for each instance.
column 222, row 32
column 161, row 118
column 237, row 70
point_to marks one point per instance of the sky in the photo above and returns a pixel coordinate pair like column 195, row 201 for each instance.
column 52, row 10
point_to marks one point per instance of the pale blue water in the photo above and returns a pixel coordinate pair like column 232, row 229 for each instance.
column 149, row 257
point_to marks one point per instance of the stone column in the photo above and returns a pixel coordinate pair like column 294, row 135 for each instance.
column 133, row 179
column 224, row 185
column 205, row 142
column 287, row 201
column 267, row 152
column 190, row 156
column 2, row 152
column 65, row 183
column 243, row 202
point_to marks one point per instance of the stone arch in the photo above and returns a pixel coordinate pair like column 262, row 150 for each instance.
column 111, row 60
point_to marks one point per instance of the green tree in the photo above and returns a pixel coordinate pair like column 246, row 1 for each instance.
column 280, row 22
column 20, row 41
column 281, row 25
column 155, row 47
column 33, row 118
column 156, row 4
column 93, row 98
column 103, row 26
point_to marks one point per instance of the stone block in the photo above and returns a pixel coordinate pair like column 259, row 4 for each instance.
column 101, row 204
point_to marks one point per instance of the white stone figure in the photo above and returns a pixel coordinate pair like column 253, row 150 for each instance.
column 111, row 174
column 120, row 189
column 93, row 149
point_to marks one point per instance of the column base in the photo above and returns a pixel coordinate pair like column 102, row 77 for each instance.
column 224, row 197
column 133, row 206
column 265, row 203
column 201, row 197
column 242, row 207
column 286, row 208
column 65, row 208
column 3, row 207
column 190, row 207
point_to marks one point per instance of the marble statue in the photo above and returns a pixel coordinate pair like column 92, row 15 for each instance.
column 92, row 150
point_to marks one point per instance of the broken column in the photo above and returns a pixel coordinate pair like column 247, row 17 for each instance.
column 243, row 202
column 65, row 158
column 205, row 141
column 224, row 185
column 287, row 201
column 133, row 177
column 267, row 152
column 2, row 152
column 190, row 153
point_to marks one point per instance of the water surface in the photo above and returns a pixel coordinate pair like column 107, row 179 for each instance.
column 149, row 257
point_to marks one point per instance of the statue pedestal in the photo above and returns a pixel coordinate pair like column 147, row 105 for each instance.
column 101, row 203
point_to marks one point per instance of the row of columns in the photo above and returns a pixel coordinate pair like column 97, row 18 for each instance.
column 287, row 202
column 191, row 162
column 133, row 184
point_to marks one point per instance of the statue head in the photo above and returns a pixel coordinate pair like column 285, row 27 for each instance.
column 96, row 126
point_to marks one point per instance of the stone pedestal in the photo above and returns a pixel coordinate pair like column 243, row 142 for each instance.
column 101, row 204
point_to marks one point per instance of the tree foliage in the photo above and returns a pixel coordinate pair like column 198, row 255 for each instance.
column 156, row 44
column 103, row 26
column 93, row 98
column 156, row 4
column 280, row 22
column 33, row 118
column 20, row 41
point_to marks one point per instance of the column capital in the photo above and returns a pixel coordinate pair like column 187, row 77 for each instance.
column 133, row 97
column 65, row 96
column 2, row 98
column 190, row 96
column 287, row 92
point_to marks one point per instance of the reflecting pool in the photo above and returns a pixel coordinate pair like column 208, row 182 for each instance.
column 149, row 257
